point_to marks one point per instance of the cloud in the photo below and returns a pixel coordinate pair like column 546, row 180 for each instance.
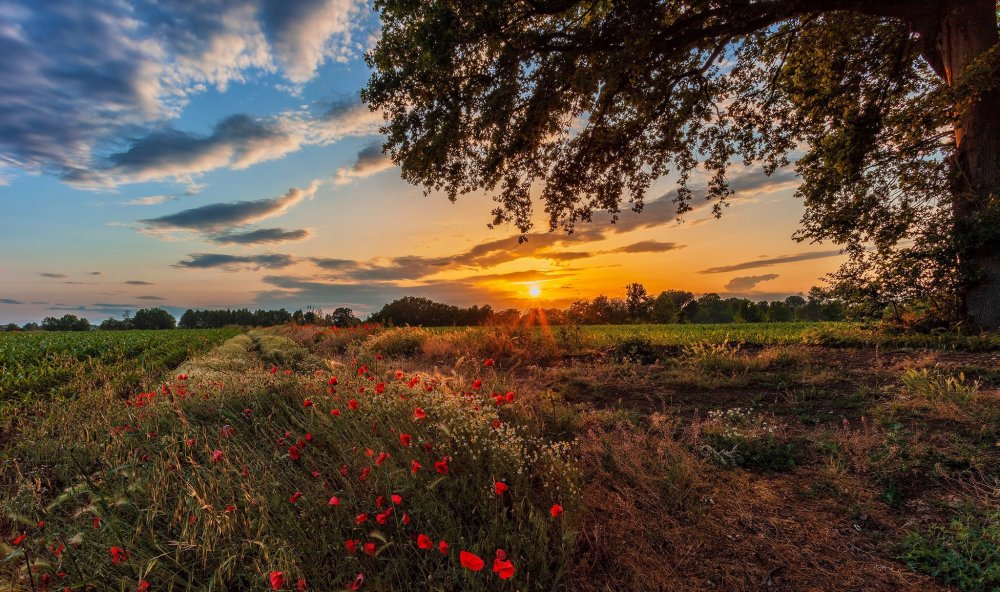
column 138, row 283
column 747, row 283
column 151, row 200
column 219, row 216
column 97, row 273
column 370, row 160
column 235, row 262
column 84, row 77
column 52, row 275
column 149, row 298
column 10, row 301
column 648, row 246
column 261, row 236
column 757, row 263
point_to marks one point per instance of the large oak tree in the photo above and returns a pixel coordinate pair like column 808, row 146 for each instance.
column 888, row 109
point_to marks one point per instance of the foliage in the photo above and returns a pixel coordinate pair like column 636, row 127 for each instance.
column 964, row 553
column 412, row 310
column 746, row 438
column 66, row 322
column 935, row 385
column 637, row 350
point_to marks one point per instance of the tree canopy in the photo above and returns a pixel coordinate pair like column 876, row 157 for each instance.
column 885, row 108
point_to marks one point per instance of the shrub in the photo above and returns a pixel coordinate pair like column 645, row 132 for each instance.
column 637, row 350
column 718, row 358
column 934, row 385
column 398, row 342
column 964, row 553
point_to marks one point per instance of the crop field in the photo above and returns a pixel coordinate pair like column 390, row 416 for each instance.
column 732, row 457
column 47, row 363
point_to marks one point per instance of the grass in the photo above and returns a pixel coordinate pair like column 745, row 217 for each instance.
column 685, row 458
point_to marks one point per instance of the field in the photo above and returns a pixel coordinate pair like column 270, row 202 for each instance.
column 737, row 457
column 53, row 364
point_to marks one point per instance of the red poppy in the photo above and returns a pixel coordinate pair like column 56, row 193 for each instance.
column 500, row 487
column 419, row 413
column 144, row 586
column 182, row 377
column 424, row 542
column 277, row 580
column 230, row 508
column 415, row 466
column 356, row 584
column 397, row 499
column 477, row 384
column 399, row 374
column 189, row 441
column 443, row 547
column 510, row 397
column 216, row 456
column 406, row 519
column 118, row 555
column 301, row 585
column 370, row 548
column 332, row 381
column 353, row 404
column 20, row 539
column 295, row 497
column 471, row 561
column 274, row 369
column 335, row 413
column 382, row 457
column 247, row 412
column 488, row 363
column 294, row 453
column 441, row 466
column 307, row 403
column 556, row 510
column 351, row 545
column 405, row 439
column 334, row 501
column 361, row 518
column 380, row 388
column 501, row 566
column 309, row 437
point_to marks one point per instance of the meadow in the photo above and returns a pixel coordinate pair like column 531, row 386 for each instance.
column 731, row 457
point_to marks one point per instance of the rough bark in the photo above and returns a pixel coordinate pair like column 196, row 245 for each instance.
column 968, row 29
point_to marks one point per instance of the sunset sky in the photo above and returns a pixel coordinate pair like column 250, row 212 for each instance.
column 211, row 155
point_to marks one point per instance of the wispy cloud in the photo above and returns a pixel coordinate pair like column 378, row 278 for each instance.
column 235, row 262
column 768, row 262
column 369, row 161
column 648, row 246
column 261, row 236
column 52, row 275
column 221, row 216
column 150, row 298
column 150, row 200
column 138, row 283
column 750, row 282
column 10, row 301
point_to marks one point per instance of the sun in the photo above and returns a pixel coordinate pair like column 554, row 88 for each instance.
column 534, row 290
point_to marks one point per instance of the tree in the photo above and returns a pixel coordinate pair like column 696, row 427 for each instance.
column 895, row 102
column 67, row 322
column 344, row 317
column 638, row 303
column 153, row 318
column 665, row 309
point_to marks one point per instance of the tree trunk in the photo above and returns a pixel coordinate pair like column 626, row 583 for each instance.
column 968, row 29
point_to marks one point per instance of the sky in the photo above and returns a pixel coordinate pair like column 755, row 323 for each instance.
column 215, row 154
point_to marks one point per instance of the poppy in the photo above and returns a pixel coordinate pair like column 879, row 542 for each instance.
column 488, row 363
column 399, row 374
column 353, row 404
column 370, row 548
column 277, row 580
column 357, row 582
column 424, row 542
column 144, row 586
column 502, row 566
column 382, row 457
column 351, row 545
column 380, row 501
column 301, row 585
column 294, row 453
column 405, row 439
column 380, row 388
column 182, row 377
column 20, row 539
column 307, row 403
column 118, row 555
column 441, row 466
column 415, row 466
column 510, row 397
column 556, row 510
column 500, row 487
column 230, row 508
column 295, row 497
column 406, row 519
column 477, row 384
column 471, row 561
column 335, row 413
column 274, row 369
column 309, row 437
column 216, row 456
column 332, row 381
column 397, row 499
column 419, row 413
column 334, row 501
column 361, row 518
column 443, row 547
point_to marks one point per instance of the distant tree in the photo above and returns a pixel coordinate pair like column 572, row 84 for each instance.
column 665, row 309
column 638, row 304
column 67, row 322
column 343, row 317
column 11, row 327
column 153, row 318
column 112, row 324
column 30, row 326
column 779, row 312
column 712, row 309
column 795, row 301
column 189, row 320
